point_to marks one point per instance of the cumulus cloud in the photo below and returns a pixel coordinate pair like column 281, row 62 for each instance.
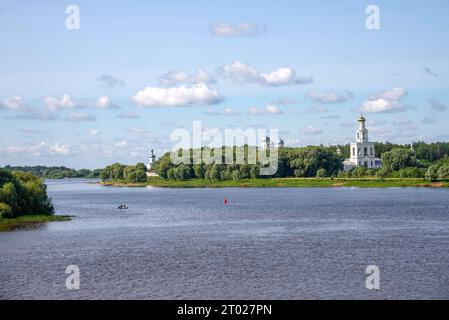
column 78, row 117
column 180, row 77
column 386, row 101
column 40, row 149
column 105, row 103
column 181, row 96
column 224, row 112
column 394, row 94
column 240, row 72
column 66, row 102
column 328, row 97
column 12, row 103
column 221, row 29
column 270, row 109
column 108, row 81
column 310, row 130
column 55, row 104
column 437, row 105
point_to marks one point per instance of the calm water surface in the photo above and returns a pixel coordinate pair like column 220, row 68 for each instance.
column 265, row 244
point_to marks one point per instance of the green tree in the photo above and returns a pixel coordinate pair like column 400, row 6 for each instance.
column 141, row 166
column 432, row 173
column 443, row 171
column 321, row 173
column 236, row 175
column 199, row 171
column 214, row 174
column 398, row 159
column 254, row 172
column 5, row 210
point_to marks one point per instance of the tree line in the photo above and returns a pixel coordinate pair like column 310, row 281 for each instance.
column 22, row 193
column 398, row 161
column 127, row 173
column 56, row 172
column 417, row 160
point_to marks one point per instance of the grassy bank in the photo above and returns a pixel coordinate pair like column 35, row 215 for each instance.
column 15, row 223
column 283, row 182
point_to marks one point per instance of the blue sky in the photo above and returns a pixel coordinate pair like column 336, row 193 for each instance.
column 137, row 70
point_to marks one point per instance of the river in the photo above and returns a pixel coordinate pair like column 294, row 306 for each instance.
column 275, row 243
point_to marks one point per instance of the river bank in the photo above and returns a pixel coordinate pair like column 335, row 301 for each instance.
column 283, row 183
column 16, row 223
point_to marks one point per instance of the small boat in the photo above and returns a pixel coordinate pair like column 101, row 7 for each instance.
column 123, row 206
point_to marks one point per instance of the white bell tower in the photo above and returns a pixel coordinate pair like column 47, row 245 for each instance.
column 150, row 169
column 362, row 132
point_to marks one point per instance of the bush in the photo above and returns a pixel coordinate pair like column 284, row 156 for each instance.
column 5, row 211
column 321, row 173
column 443, row 171
column 236, row 175
column 359, row 172
column 382, row 173
column 432, row 173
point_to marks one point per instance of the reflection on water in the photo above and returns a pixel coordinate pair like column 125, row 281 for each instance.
column 266, row 243
column 27, row 226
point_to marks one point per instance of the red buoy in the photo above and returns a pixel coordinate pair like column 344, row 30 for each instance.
column 225, row 200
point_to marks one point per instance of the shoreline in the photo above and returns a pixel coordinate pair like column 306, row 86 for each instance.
column 23, row 221
column 284, row 183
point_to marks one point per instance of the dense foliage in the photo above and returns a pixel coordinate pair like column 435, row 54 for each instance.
column 429, row 161
column 56, row 172
column 22, row 193
column 419, row 160
column 119, row 171
column 292, row 162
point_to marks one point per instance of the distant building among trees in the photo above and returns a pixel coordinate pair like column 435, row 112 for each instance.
column 362, row 152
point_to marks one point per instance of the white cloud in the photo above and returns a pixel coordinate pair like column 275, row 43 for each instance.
column 240, row 72
column 310, row 130
column 105, row 103
column 55, row 104
column 40, row 149
column 12, row 103
column 181, row 96
column 381, row 105
column 394, row 94
column 180, row 77
column 79, row 116
column 221, row 29
column 268, row 110
column 387, row 101
column 224, row 112
column 328, row 97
